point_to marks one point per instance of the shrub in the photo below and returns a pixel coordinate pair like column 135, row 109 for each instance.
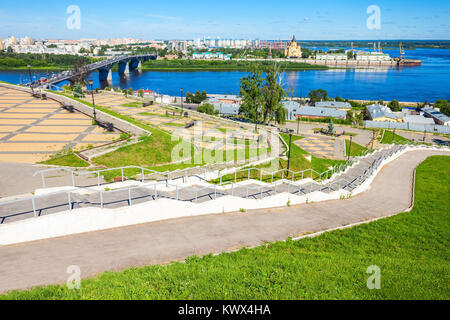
column 208, row 108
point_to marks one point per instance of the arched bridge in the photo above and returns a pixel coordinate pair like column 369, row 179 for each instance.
column 127, row 63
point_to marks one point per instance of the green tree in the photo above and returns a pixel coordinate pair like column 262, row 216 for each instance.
column 330, row 127
column 198, row 97
column 444, row 106
column 252, row 104
column 318, row 95
column 207, row 108
column 273, row 93
column 78, row 91
column 394, row 105
column 350, row 55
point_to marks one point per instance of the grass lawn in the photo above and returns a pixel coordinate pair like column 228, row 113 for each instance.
column 160, row 115
column 356, row 149
column 67, row 160
column 151, row 150
column 298, row 163
column 411, row 249
column 133, row 105
column 390, row 137
column 209, row 156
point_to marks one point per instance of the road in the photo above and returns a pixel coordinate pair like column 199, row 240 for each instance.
column 46, row 261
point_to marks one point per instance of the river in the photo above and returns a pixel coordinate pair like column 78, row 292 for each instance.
column 431, row 81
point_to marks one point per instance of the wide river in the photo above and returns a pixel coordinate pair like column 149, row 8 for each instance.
column 431, row 81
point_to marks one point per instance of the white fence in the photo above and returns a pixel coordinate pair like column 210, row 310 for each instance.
column 433, row 128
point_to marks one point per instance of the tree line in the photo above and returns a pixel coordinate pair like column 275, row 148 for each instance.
column 14, row 60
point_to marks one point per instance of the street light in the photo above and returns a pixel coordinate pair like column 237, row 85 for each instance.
column 373, row 138
column 91, row 83
column 349, row 149
column 31, row 80
column 181, row 96
column 289, row 155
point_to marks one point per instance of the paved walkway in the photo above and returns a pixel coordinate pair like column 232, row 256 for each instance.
column 33, row 129
column 46, row 261
column 17, row 179
column 321, row 147
column 362, row 137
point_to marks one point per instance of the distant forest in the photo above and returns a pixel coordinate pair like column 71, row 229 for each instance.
column 21, row 60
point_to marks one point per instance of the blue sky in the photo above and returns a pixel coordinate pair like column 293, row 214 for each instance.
column 263, row 19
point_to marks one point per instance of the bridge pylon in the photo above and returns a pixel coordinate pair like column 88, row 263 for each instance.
column 105, row 73
column 124, row 67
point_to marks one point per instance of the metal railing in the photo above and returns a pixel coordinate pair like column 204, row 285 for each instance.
column 164, row 189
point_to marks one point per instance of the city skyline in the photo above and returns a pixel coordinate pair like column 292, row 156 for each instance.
column 253, row 19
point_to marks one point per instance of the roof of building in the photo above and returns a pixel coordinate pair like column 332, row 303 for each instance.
column 225, row 108
column 378, row 111
column 226, row 97
column 321, row 112
column 418, row 119
column 333, row 104
column 436, row 114
column 289, row 104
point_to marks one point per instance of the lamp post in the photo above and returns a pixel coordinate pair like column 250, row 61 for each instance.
column 31, row 80
column 373, row 138
column 181, row 96
column 349, row 149
column 91, row 83
column 289, row 155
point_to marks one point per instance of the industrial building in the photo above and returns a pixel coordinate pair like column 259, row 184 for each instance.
column 437, row 116
column 334, row 104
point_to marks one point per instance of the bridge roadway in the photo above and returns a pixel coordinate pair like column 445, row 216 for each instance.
column 54, row 203
column 104, row 65
column 45, row 262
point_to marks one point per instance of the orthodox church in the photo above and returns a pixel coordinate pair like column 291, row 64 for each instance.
column 293, row 50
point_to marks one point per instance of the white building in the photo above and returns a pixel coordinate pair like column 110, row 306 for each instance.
column 372, row 56
column 331, row 56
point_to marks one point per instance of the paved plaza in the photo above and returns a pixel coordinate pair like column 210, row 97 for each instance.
column 31, row 129
column 321, row 147
column 213, row 132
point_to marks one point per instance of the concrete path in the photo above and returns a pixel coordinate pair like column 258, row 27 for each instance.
column 17, row 179
column 362, row 137
column 46, row 261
